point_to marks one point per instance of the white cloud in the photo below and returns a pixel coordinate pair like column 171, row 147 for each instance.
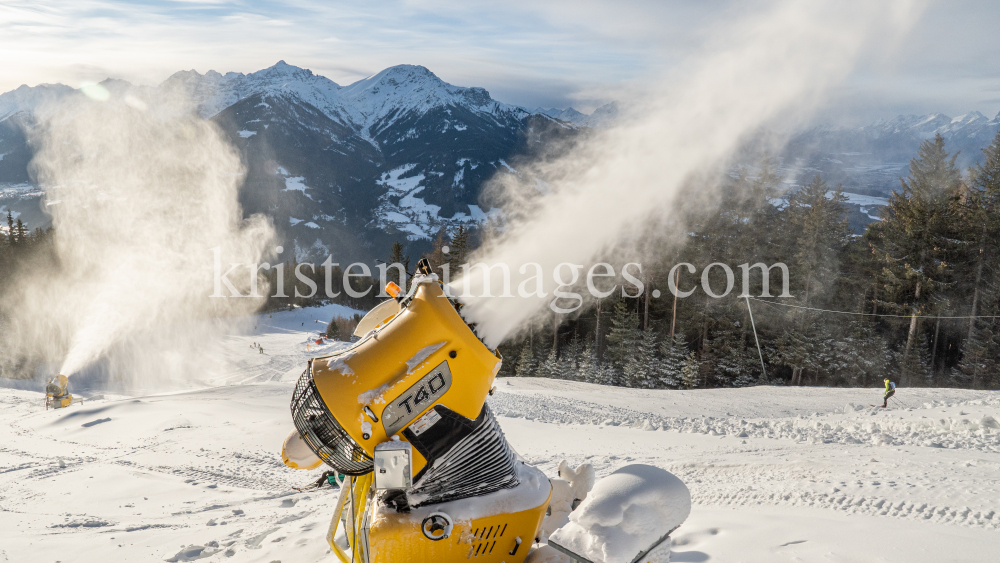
column 553, row 53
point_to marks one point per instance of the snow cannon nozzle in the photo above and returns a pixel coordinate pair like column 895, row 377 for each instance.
column 424, row 267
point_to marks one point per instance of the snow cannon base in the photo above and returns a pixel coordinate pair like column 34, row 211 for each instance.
column 507, row 537
column 493, row 528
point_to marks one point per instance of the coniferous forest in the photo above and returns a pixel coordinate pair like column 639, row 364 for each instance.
column 915, row 297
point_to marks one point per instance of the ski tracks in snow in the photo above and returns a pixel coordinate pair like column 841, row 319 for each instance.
column 935, row 464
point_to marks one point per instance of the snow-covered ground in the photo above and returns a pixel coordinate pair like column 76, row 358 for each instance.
column 776, row 474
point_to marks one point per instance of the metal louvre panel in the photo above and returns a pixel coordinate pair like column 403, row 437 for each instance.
column 321, row 431
column 479, row 464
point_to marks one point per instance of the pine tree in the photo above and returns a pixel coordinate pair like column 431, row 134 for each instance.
column 981, row 208
column 569, row 363
column 526, row 363
column 11, row 233
column 671, row 369
column 22, row 233
column 623, row 337
column 459, row 250
column 690, row 371
column 913, row 365
column 821, row 232
column 866, row 354
column 587, row 368
column 396, row 257
column 641, row 368
column 550, row 367
column 917, row 239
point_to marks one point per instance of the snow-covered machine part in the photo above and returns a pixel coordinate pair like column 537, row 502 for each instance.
column 295, row 453
column 568, row 491
column 626, row 516
column 377, row 317
column 393, row 470
column 403, row 412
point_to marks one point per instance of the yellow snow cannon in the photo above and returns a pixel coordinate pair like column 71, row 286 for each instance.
column 57, row 393
column 402, row 413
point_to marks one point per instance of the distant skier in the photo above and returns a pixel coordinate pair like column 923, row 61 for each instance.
column 890, row 390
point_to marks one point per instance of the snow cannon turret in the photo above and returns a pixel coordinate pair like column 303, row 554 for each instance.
column 57, row 393
column 402, row 414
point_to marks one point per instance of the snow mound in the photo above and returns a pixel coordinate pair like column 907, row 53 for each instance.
column 625, row 514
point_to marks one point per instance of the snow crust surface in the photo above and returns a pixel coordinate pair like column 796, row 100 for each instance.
column 196, row 471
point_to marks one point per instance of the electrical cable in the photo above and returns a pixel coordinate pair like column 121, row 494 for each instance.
column 875, row 314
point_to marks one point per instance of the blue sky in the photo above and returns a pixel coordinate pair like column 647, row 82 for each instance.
column 556, row 53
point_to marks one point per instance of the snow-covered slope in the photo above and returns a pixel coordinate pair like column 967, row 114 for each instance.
column 776, row 474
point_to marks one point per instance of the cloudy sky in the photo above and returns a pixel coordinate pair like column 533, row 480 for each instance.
column 553, row 53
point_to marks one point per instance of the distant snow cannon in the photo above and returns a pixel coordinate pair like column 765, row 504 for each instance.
column 402, row 413
column 57, row 393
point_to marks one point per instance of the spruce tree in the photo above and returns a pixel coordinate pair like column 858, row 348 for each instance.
column 690, row 371
column 981, row 216
column 22, row 233
column 396, row 257
column 671, row 368
column 569, row 363
column 550, row 367
column 917, row 240
column 11, row 233
column 587, row 367
column 641, row 365
column 623, row 337
column 459, row 250
column 526, row 363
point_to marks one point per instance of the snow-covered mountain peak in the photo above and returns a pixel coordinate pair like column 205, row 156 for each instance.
column 969, row 117
column 282, row 73
column 212, row 92
column 402, row 89
column 27, row 98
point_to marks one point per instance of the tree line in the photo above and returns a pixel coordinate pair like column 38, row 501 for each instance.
column 915, row 297
column 21, row 247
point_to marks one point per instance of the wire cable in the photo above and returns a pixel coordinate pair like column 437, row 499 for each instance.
column 874, row 314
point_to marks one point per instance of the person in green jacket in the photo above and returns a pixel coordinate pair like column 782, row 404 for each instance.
column 890, row 390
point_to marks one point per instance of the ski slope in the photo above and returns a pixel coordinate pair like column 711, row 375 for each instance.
column 776, row 474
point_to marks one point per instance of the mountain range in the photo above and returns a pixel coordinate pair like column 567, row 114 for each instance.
column 402, row 154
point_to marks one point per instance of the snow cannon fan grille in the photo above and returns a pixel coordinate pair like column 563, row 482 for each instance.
column 323, row 433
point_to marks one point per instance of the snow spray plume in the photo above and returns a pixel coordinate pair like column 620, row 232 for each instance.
column 599, row 196
column 139, row 194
